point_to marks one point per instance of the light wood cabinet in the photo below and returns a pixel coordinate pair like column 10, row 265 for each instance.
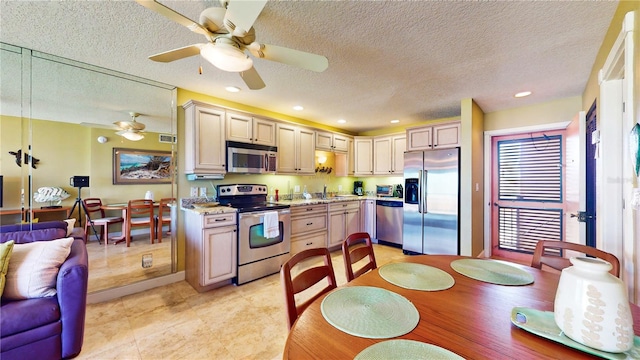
column 344, row 219
column 296, row 150
column 388, row 154
column 331, row 142
column 211, row 249
column 445, row 135
column 205, row 139
column 363, row 156
column 250, row 129
column 308, row 227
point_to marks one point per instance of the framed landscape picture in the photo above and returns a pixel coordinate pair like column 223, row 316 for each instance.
column 135, row 166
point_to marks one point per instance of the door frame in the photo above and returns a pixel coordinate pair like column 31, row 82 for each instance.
column 488, row 135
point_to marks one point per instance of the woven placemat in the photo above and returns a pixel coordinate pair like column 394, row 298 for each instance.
column 405, row 350
column 492, row 271
column 370, row 312
column 416, row 276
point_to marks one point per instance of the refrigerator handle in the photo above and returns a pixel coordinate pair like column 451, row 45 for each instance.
column 420, row 191
column 423, row 186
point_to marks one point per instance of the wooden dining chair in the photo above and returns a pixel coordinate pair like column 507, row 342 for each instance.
column 95, row 215
column 355, row 248
column 305, row 279
column 140, row 213
column 164, row 216
column 541, row 255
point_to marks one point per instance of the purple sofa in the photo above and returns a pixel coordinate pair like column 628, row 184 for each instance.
column 50, row 327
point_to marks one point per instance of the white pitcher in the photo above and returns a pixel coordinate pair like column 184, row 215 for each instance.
column 592, row 307
column 148, row 195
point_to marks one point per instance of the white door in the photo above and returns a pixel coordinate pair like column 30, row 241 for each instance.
column 575, row 181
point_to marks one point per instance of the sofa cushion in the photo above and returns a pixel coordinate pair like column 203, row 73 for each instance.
column 33, row 268
column 22, row 315
column 70, row 225
column 5, row 253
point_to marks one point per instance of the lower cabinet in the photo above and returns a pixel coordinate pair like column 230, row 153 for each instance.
column 308, row 227
column 344, row 219
column 211, row 249
column 368, row 217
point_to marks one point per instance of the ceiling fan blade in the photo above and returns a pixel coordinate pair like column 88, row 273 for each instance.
column 241, row 15
column 177, row 54
column 252, row 79
column 174, row 16
column 129, row 125
column 99, row 126
column 305, row 60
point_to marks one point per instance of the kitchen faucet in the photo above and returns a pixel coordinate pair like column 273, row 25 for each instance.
column 324, row 192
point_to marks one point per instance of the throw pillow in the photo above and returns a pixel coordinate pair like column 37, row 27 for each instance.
column 33, row 268
column 5, row 254
column 70, row 224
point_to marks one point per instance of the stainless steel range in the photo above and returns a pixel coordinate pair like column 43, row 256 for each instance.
column 258, row 255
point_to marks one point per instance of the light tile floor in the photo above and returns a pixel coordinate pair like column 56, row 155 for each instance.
column 177, row 322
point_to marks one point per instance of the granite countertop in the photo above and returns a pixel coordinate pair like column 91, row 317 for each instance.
column 314, row 201
column 220, row 209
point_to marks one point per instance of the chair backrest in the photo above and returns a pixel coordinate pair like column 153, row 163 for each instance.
column 94, row 206
column 305, row 279
column 164, row 206
column 541, row 257
column 356, row 247
column 140, row 208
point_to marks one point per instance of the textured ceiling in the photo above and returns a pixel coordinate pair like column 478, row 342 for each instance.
column 406, row 60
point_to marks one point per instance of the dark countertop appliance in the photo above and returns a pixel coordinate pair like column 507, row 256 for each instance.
column 258, row 255
column 358, row 189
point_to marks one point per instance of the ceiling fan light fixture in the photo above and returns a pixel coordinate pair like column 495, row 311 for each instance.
column 226, row 57
column 131, row 135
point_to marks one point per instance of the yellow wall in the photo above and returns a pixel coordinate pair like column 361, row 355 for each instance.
column 555, row 111
column 471, row 179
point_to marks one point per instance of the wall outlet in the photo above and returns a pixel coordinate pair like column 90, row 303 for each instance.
column 147, row 260
column 296, row 188
column 194, row 191
column 203, row 191
column 339, row 188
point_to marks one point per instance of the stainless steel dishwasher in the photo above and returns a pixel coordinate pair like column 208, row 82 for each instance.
column 389, row 221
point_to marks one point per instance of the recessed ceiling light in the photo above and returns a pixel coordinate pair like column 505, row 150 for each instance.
column 342, row 121
column 232, row 89
column 522, row 94
column 394, row 121
column 298, row 108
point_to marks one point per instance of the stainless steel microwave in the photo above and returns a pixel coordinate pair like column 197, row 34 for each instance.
column 250, row 158
column 384, row 190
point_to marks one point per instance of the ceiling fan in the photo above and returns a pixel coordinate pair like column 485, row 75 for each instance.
column 229, row 32
column 131, row 130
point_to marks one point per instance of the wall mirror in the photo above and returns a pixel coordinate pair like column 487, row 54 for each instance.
column 61, row 114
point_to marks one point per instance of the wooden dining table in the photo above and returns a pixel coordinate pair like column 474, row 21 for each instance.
column 471, row 319
column 123, row 208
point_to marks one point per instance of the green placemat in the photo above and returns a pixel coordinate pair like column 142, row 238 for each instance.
column 492, row 271
column 416, row 276
column 369, row 312
column 542, row 323
column 405, row 350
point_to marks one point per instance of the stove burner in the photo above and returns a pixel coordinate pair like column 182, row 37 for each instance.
column 247, row 198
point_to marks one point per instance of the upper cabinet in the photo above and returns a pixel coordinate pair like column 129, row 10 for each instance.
column 445, row 135
column 389, row 154
column 331, row 142
column 363, row 156
column 296, row 150
column 249, row 129
column 205, row 124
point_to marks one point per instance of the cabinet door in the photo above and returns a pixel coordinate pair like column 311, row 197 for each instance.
column 219, row 254
column 399, row 147
column 383, row 155
column 324, row 141
column 306, row 152
column 351, row 157
column 239, row 127
column 340, row 143
column 419, row 138
column 363, row 156
column 264, row 132
column 446, row 135
column 336, row 228
column 368, row 216
column 287, row 162
column 210, row 141
column 352, row 222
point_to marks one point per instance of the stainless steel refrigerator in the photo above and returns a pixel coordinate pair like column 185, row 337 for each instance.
column 431, row 202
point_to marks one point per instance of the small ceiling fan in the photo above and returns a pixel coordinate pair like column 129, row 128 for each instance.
column 229, row 32
column 131, row 130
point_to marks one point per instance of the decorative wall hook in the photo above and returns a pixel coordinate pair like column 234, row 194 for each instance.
column 27, row 158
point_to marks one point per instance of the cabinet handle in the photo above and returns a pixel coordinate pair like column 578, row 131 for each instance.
column 220, row 220
column 309, row 243
column 309, row 223
column 309, row 209
column 434, row 145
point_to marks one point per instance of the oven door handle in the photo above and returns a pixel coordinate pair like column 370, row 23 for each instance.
column 261, row 213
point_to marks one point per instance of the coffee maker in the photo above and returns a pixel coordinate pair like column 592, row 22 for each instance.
column 358, row 189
